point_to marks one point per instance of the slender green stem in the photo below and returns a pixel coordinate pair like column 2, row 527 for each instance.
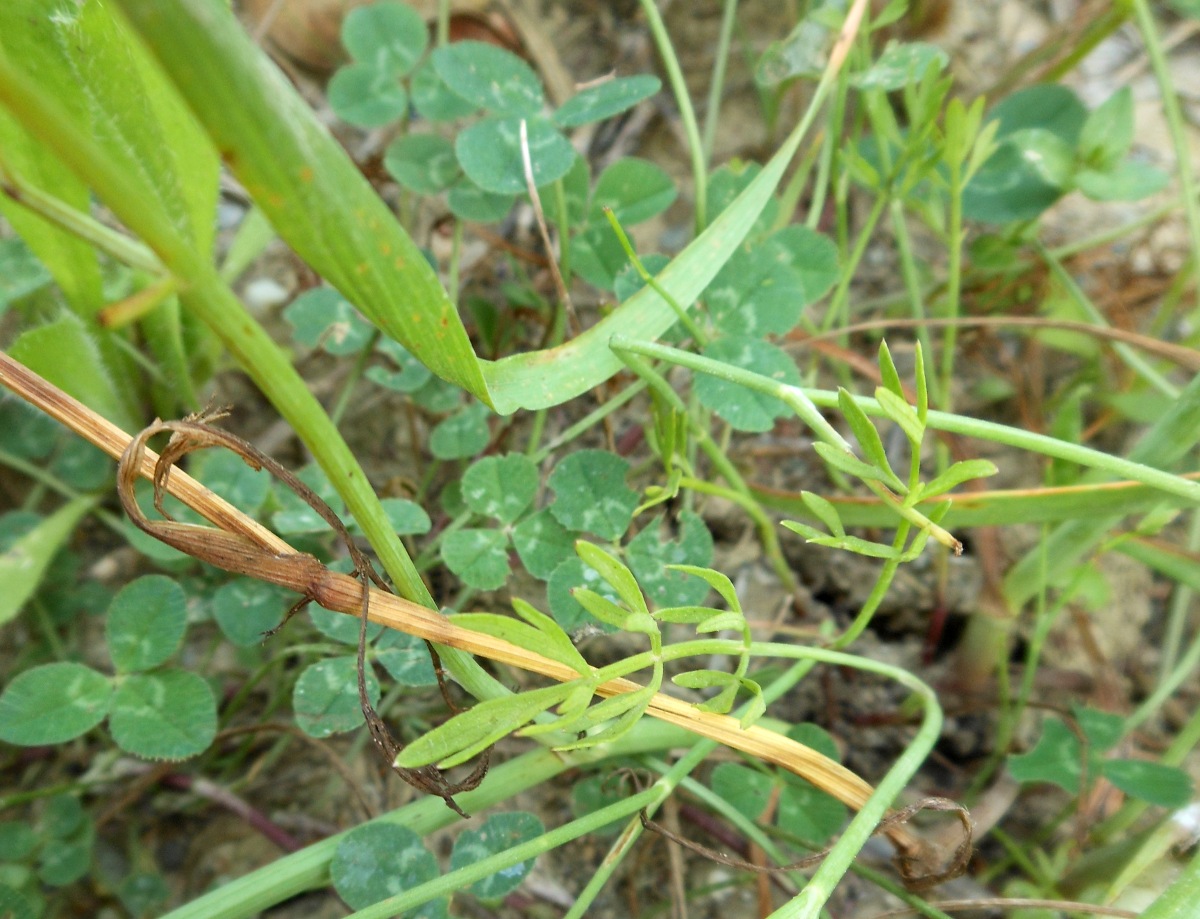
column 715, row 455
column 688, row 322
column 795, row 398
column 807, row 401
column 352, row 378
column 663, row 787
column 213, row 302
column 953, row 304
column 1131, row 357
column 1181, row 605
column 716, row 85
column 687, row 113
column 309, row 868
column 83, row 226
column 1175, row 122
column 912, row 286
column 837, row 302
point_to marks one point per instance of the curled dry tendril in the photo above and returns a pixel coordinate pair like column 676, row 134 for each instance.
column 244, row 550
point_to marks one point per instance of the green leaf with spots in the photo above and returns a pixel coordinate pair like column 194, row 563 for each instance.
column 568, row 613
column 489, row 78
column 389, row 36
column 405, row 658
column 295, row 515
column 479, row 557
column 323, row 318
column 52, row 704
column 764, row 287
column 169, row 714
column 325, row 699
column 591, row 495
column 747, row 790
column 411, row 374
column 433, row 99
column 467, row 201
column 145, row 623
column 339, row 626
column 804, row 809
column 245, row 609
column 746, row 409
column 1164, row 786
column 635, row 190
column 424, row 163
column 606, row 99
column 543, row 543
column 500, row 486
column 489, row 152
column 463, row 434
column 367, row 96
column 227, row 474
column 901, row 64
column 499, row 833
column 649, row 554
column 407, row 518
column 1056, row 758
column 377, row 861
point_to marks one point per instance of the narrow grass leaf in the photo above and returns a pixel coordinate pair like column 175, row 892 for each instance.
column 553, row 637
column 887, row 370
column 609, row 567
column 864, row 432
column 557, row 375
column 25, row 559
column 903, row 414
column 554, row 644
column 823, row 511
column 852, row 465
column 962, row 471
column 856, row 545
column 474, row 730
column 312, row 193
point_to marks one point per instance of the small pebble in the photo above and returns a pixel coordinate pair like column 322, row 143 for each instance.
column 264, row 293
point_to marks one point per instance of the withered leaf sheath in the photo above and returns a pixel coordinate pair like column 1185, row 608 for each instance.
column 244, row 551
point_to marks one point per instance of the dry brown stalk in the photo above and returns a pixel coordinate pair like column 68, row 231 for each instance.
column 240, row 544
